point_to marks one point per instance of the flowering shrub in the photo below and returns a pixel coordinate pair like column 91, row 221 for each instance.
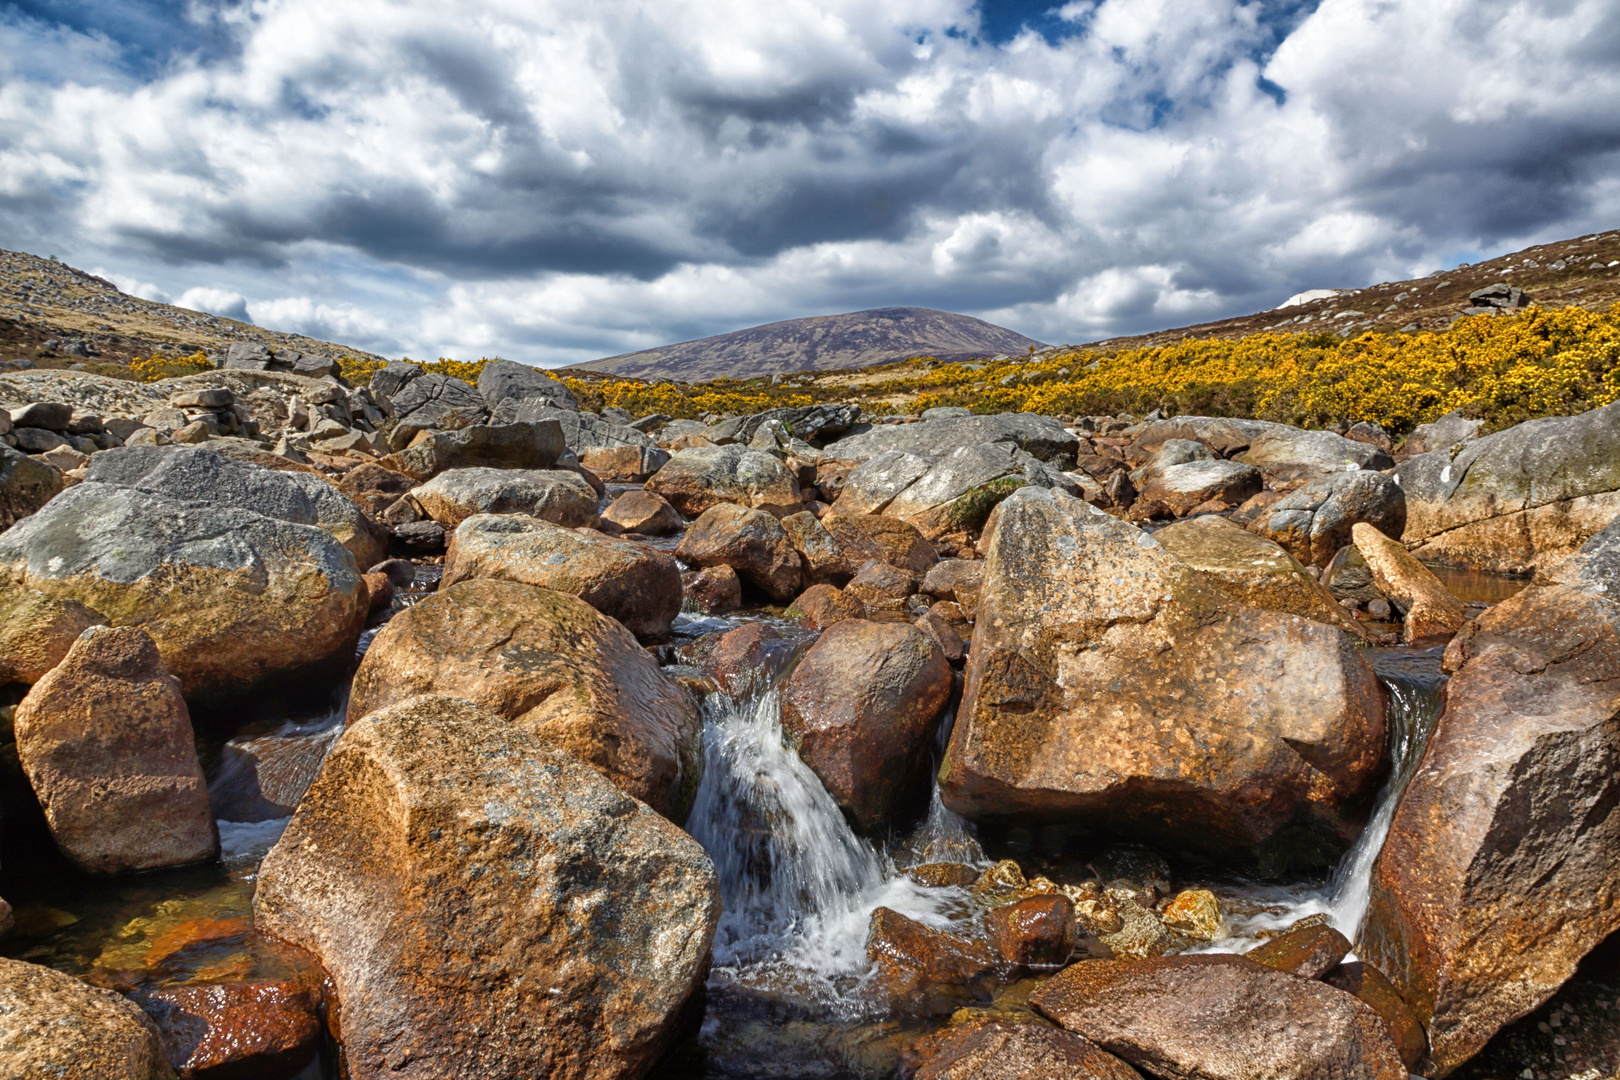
column 359, row 371
column 157, row 366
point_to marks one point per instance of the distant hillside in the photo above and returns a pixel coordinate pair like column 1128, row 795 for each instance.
column 820, row 343
column 56, row 315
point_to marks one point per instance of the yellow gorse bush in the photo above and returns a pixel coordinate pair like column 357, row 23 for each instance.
column 1503, row 369
column 359, row 371
column 157, row 366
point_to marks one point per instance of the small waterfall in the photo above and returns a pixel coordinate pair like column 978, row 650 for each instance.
column 798, row 886
column 260, row 779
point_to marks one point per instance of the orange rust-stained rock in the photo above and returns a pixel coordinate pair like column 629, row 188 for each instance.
column 991, row 1049
column 1369, row 984
column 645, row 513
column 1309, row 951
column 485, row 905
column 863, row 537
column 1430, row 610
column 1037, row 930
column 551, row 664
column 249, row 1029
column 36, row 632
column 820, row 606
column 920, row 969
column 751, row 542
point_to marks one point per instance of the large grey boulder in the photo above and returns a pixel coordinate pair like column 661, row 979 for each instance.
column 201, row 475
column 1448, row 431
column 26, row 484
column 1280, row 451
column 231, row 597
column 1314, row 522
column 506, row 380
column 535, row 445
column 430, row 401
column 697, row 479
column 487, row 905
column 871, row 485
column 553, row 495
column 1113, row 688
column 962, row 487
column 581, row 430
column 1498, row 874
column 1518, row 500
column 808, row 423
column 56, row 1027
column 1041, row 436
column 1190, row 484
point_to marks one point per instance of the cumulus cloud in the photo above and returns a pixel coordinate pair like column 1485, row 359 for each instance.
column 232, row 305
column 559, row 179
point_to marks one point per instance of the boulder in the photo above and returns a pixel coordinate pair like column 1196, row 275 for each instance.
column 861, row 707
column 638, row 585
column 943, row 631
column 695, row 480
column 231, row 597
column 25, row 485
column 645, row 513
column 1314, row 522
column 36, row 632
column 995, row 1049
column 553, row 666
column 1196, row 914
column 55, row 1027
column 715, row 590
column 1372, row 433
column 1448, row 431
column 1170, row 453
column 1369, row 984
column 1182, row 487
column 501, row 446
column 555, row 495
column 1040, row 436
column 808, row 423
column 1111, row 686
column 960, row 490
column 921, row 969
column 820, row 606
column 202, row 476
column 751, row 542
column 1279, row 451
column 862, row 538
column 106, row 741
column 870, row 486
column 582, row 431
column 1220, row 1018
column 1516, row 501
column 1036, row 931
column 506, row 380
column 824, row 560
column 1252, row 569
column 253, row 1029
column 1429, row 610
column 44, row 415
column 624, row 464
column 485, row 905
column 1307, row 951
column 1499, row 869
column 430, row 401
column 374, row 488
column 882, row 587
column 957, row 580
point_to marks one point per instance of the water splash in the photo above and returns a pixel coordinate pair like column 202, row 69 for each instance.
column 260, row 780
column 797, row 885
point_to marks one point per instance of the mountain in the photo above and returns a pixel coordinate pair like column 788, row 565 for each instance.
column 56, row 315
column 1583, row 272
column 820, row 343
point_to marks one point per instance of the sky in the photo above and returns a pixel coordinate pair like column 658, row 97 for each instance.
column 558, row 180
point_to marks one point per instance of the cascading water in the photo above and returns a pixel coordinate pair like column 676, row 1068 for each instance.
column 261, row 778
column 798, row 886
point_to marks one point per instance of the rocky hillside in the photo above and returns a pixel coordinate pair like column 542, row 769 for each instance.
column 821, row 343
column 56, row 316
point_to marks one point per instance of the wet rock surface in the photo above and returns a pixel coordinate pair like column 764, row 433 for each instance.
column 998, row 1050
column 751, row 542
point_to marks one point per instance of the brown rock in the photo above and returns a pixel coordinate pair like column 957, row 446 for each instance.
column 54, row 1027
column 555, row 495
column 380, row 589
column 486, row 905
column 703, row 477
column 958, row 580
column 106, row 741
column 922, row 969
column 715, row 590
column 373, row 487
column 944, row 634
column 882, row 587
column 1315, row 521
column 36, row 632
column 1109, row 685
column 1219, row 1017
column 1430, row 611
column 1369, row 984
column 953, row 614
column 645, row 513
column 552, row 665
column 985, row 1049
column 820, row 606
column 863, row 537
column 1034, row 931
column 1308, row 951
column 26, row 484
column 743, row 658
column 861, row 707
column 1184, row 486
column 1504, row 851
column 623, row 464
column 751, row 542
column 939, row 875
column 824, row 560
column 636, row 584
column 252, row 1029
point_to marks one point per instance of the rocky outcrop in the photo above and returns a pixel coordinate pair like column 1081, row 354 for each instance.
column 26, row 484
column 1252, row 569
column 553, row 495
column 1516, row 501
column 1500, row 867
column 638, row 585
column 1039, row 436
column 861, row 707
column 1450, row 430
column 230, row 597
column 645, row 513
column 55, row 1027
column 695, row 480
column 1279, row 451
column 501, row 381
column 871, row 485
column 1111, row 686
column 751, row 542
column 36, row 632
column 202, row 476
column 552, row 665
column 486, row 446
column 1429, row 610
column 428, row 401
column 1220, row 1018
column 485, row 905
column 1314, row 522
column 106, row 741
column 993, row 1049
